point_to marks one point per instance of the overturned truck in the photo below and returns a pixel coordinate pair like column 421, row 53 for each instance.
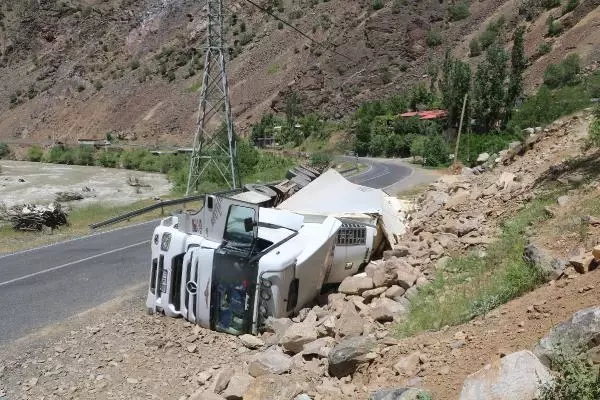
column 235, row 263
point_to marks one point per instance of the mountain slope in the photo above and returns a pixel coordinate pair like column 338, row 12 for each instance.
column 80, row 68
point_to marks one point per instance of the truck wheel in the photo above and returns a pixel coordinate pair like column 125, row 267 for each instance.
column 150, row 311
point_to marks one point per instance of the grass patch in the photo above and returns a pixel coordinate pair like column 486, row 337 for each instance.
column 79, row 221
column 194, row 87
column 471, row 286
column 412, row 192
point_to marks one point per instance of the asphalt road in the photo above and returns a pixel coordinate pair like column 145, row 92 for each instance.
column 46, row 285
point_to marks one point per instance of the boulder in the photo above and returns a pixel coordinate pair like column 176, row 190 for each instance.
column 297, row 335
column 398, row 251
column 482, row 158
column 563, row 200
column 221, row 379
column 551, row 268
column 409, row 365
column 447, row 240
column 384, row 309
column 505, row 179
column 580, row 333
column 596, row 252
column 204, row 395
column 369, row 294
column 405, row 277
column 394, row 292
column 356, row 284
column 384, row 274
column 274, row 387
column 251, row 341
column 238, row 385
column 269, row 362
column 320, row 347
column 349, row 354
column 518, row 376
column 350, row 322
column 459, row 198
column 399, row 394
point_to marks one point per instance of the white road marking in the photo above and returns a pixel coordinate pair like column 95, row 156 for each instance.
column 77, row 239
column 384, row 173
column 71, row 263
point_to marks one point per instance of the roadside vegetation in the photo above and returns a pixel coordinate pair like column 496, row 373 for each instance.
column 253, row 165
column 471, row 285
column 575, row 378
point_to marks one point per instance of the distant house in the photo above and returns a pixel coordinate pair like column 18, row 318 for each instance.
column 426, row 115
column 97, row 143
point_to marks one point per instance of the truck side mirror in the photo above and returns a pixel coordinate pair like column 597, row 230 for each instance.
column 248, row 224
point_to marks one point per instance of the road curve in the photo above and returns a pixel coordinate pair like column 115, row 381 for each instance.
column 45, row 285
column 379, row 174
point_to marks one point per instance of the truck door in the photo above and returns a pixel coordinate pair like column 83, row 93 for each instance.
column 224, row 219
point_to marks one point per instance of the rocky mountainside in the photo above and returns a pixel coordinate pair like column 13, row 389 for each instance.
column 84, row 68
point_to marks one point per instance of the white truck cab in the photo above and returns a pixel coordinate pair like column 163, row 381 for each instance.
column 234, row 264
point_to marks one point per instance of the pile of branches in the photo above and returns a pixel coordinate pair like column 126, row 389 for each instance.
column 32, row 217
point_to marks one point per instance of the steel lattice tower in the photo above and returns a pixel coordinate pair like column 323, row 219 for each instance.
column 214, row 140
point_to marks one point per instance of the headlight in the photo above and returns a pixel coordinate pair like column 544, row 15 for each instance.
column 265, row 295
column 262, row 309
column 266, row 283
column 165, row 242
column 156, row 238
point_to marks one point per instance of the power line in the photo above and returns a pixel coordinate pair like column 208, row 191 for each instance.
column 298, row 30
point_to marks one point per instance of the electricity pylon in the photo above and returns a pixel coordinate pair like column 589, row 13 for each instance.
column 211, row 148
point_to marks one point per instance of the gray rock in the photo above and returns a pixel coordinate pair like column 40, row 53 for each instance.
column 409, row 365
column 518, row 376
column 350, row 322
column 394, row 292
column 269, row 362
column 529, row 131
column 369, row 294
column 202, row 395
column 67, row 196
column 274, row 387
column 563, row 200
column 356, row 284
column 398, row 251
column 320, row 347
column 221, row 379
column 238, row 385
column 384, row 310
column 347, row 355
column 551, row 268
column 399, row 394
column 297, row 335
column 251, row 341
column 483, row 157
column 405, row 278
column 579, row 333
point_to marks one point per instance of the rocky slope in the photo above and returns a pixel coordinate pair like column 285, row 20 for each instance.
column 345, row 347
column 77, row 68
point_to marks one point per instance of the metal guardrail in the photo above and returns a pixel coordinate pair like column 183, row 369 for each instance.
column 161, row 205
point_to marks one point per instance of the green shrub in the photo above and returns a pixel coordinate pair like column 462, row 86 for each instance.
column 280, row 25
column 575, row 378
column 555, row 27
column 594, row 132
column 436, row 151
column 377, row 4
column 458, row 11
column 80, row 88
column 417, row 146
column 474, row 48
column 98, row 85
column 396, row 6
column 434, row 38
column 543, row 48
column 135, row 64
column 565, row 73
column 83, row 155
column 570, row 6
column 60, row 154
column 108, row 159
column 35, row 153
column 550, row 4
column 321, row 159
column 4, row 149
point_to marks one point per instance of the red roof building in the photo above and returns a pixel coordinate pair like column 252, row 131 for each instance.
column 426, row 115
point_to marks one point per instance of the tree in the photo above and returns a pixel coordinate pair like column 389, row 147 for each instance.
column 489, row 91
column 518, row 63
column 456, row 82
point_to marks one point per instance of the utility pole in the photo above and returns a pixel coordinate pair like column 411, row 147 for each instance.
column 211, row 147
column 462, row 115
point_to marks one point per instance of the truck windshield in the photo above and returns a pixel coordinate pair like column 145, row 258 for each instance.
column 235, row 230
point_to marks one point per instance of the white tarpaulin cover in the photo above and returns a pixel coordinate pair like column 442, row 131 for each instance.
column 331, row 194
